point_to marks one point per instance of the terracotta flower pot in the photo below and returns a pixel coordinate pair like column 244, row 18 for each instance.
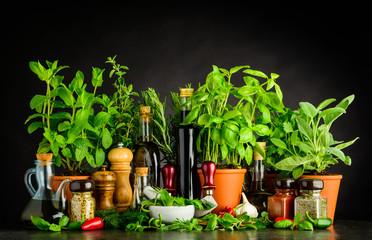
column 59, row 179
column 229, row 184
column 330, row 190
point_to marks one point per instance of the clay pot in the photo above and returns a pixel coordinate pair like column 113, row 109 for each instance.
column 330, row 190
column 59, row 179
column 229, row 184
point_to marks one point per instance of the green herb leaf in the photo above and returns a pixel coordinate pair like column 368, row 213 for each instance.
column 40, row 223
column 283, row 224
column 305, row 225
column 308, row 109
column 63, row 221
column 55, row 228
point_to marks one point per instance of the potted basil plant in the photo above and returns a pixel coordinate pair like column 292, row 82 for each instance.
column 228, row 133
column 310, row 147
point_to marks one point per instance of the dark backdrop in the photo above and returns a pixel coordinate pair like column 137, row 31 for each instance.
column 319, row 53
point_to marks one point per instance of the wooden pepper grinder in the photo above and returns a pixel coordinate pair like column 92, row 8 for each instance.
column 105, row 187
column 120, row 159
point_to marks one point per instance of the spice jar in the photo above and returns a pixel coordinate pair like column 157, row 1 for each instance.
column 104, row 182
column 82, row 203
column 282, row 203
column 310, row 199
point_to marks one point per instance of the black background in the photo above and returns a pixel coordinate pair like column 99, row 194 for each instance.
column 319, row 52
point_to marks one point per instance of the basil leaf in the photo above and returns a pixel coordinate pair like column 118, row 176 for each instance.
column 55, row 228
column 63, row 221
column 40, row 223
column 282, row 224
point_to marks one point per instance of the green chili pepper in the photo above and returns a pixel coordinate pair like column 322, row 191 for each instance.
column 321, row 223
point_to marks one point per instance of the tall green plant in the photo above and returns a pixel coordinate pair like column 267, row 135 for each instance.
column 72, row 131
column 165, row 128
column 229, row 132
column 122, row 123
column 308, row 142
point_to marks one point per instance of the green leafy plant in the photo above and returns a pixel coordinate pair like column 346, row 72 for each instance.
column 73, row 131
column 308, row 143
column 165, row 128
column 164, row 199
column 121, row 108
column 229, row 132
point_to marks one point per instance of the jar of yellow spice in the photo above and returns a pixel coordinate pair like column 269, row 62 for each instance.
column 82, row 203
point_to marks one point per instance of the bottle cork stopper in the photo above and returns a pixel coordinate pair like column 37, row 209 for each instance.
column 186, row 92
column 145, row 110
column 44, row 159
column 143, row 171
column 257, row 155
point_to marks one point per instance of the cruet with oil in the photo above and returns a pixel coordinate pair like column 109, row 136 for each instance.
column 45, row 202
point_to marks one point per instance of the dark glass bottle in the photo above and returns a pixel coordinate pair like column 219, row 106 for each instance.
column 257, row 195
column 187, row 176
column 146, row 152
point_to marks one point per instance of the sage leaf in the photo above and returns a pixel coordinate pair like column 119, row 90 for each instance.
column 304, row 127
column 279, row 143
column 289, row 163
column 344, row 145
column 308, row 109
column 325, row 103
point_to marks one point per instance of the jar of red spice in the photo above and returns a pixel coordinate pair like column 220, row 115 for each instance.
column 282, row 203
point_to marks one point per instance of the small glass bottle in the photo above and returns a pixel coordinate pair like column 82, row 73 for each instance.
column 282, row 203
column 146, row 151
column 258, row 194
column 141, row 180
column 310, row 199
column 82, row 203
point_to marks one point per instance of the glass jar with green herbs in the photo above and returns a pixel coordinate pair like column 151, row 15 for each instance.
column 310, row 199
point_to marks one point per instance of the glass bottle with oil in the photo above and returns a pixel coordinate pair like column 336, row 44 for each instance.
column 146, row 152
column 258, row 194
column 187, row 176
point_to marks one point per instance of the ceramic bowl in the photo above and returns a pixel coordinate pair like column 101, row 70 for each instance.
column 172, row 213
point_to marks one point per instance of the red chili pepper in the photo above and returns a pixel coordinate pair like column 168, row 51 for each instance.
column 230, row 210
column 93, row 224
column 282, row 218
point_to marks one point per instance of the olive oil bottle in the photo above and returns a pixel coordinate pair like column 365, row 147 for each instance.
column 146, row 151
column 258, row 194
column 187, row 176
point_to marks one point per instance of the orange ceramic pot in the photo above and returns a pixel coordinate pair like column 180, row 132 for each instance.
column 59, row 179
column 330, row 190
column 229, row 184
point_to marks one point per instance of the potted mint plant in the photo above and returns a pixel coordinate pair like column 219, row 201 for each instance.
column 310, row 148
column 73, row 130
column 228, row 133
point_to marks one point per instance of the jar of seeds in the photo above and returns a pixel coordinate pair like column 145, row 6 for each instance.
column 82, row 203
column 310, row 199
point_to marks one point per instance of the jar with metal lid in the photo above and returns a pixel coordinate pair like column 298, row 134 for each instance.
column 310, row 199
column 282, row 203
column 82, row 203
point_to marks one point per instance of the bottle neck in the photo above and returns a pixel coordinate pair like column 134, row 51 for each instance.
column 257, row 175
column 186, row 107
column 145, row 128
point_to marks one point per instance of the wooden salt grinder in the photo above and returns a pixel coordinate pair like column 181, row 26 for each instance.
column 105, row 187
column 120, row 159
